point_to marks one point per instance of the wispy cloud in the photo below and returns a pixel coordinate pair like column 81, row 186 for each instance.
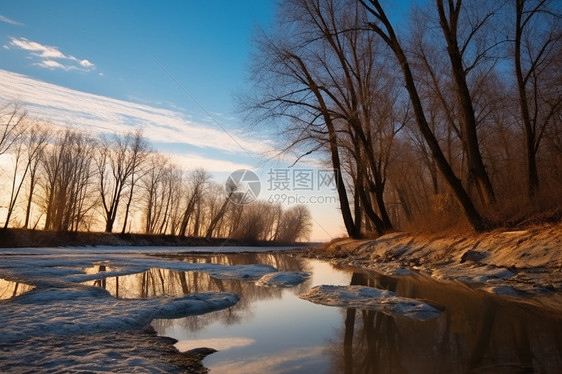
column 291, row 360
column 50, row 57
column 100, row 114
column 195, row 161
column 10, row 21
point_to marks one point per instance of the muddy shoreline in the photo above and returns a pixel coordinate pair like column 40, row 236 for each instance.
column 522, row 264
column 18, row 238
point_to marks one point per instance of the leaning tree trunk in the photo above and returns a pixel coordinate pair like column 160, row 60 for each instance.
column 462, row 197
column 476, row 169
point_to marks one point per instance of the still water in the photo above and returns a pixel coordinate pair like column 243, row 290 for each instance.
column 271, row 330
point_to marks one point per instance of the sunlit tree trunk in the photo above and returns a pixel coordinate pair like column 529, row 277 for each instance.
column 389, row 36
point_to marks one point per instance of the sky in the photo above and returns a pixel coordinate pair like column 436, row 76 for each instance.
column 172, row 68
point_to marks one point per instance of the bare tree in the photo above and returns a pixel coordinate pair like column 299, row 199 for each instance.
column 537, row 45
column 295, row 225
column 155, row 192
column 193, row 195
column 13, row 122
column 171, row 196
column 38, row 140
column 217, row 215
column 382, row 27
column 450, row 19
column 249, row 221
column 325, row 77
column 117, row 161
column 67, row 182
column 29, row 149
column 138, row 153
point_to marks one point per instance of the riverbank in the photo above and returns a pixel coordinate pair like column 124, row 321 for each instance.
column 18, row 238
column 523, row 263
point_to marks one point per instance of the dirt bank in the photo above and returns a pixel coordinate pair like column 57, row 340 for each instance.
column 18, row 238
column 512, row 263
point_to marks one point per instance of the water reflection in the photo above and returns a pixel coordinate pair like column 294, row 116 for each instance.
column 9, row 289
column 157, row 282
column 477, row 332
column 272, row 330
column 220, row 344
column 280, row 261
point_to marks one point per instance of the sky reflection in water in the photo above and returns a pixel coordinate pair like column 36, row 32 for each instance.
column 272, row 330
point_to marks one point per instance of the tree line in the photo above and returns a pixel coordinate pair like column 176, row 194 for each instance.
column 451, row 114
column 61, row 179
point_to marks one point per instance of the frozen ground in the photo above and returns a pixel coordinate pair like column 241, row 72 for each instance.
column 368, row 298
column 52, row 322
column 524, row 264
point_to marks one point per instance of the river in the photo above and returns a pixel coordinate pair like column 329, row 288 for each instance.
column 272, row 330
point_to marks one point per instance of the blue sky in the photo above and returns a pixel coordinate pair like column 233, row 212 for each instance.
column 172, row 68
column 203, row 44
column 190, row 57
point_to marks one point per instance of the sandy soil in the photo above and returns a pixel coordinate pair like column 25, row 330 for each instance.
column 525, row 263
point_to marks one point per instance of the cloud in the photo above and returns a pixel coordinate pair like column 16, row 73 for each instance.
column 10, row 21
column 50, row 64
column 291, row 360
column 39, row 49
column 86, row 63
column 193, row 161
column 220, row 344
column 100, row 114
column 47, row 55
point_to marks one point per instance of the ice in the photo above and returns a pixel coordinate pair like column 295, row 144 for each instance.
column 473, row 274
column 81, row 309
column 283, row 279
column 367, row 298
column 504, row 291
column 60, row 314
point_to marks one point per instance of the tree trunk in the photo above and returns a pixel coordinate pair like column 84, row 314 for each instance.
column 462, row 197
column 469, row 136
column 532, row 174
column 460, row 193
column 109, row 225
column 127, row 208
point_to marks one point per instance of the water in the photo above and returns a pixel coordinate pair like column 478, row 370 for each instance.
column 272, row 330
column 10, row 289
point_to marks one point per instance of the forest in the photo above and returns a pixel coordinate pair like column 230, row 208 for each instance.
column 64, row 180
column 447, row 114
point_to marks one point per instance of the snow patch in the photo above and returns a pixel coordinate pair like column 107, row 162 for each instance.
column 367, row 298
column 473, row 274
column 283, row 279
column 82, row 310
column 504, row 291
column 247, row 272
column 400, row 271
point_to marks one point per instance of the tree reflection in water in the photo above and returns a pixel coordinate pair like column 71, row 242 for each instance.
column 9, row 289
column 157, row 282
column 477, row 332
